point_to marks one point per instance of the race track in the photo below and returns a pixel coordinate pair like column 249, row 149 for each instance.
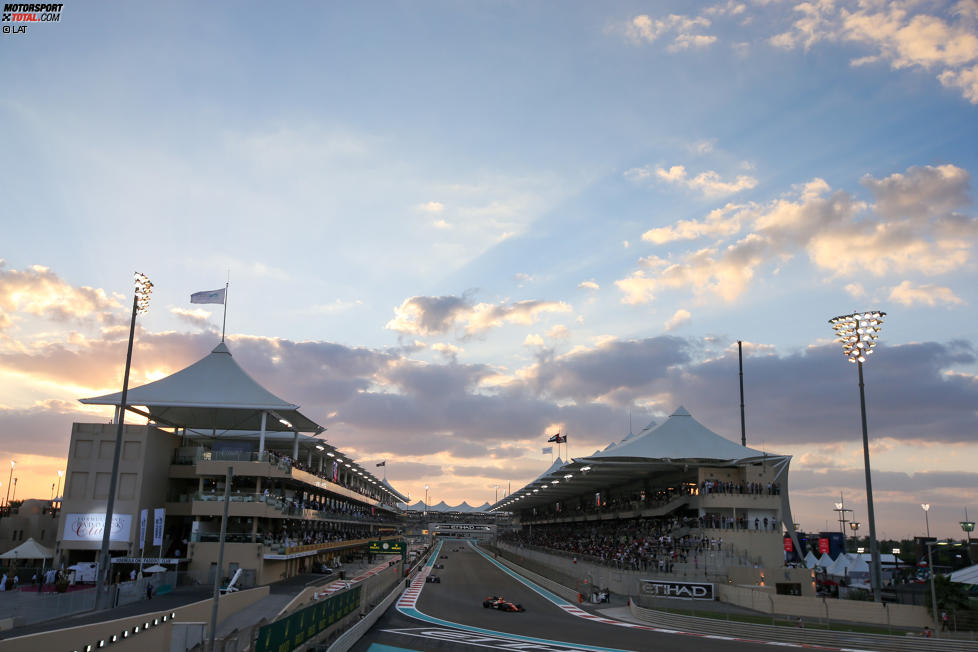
column 450, row 616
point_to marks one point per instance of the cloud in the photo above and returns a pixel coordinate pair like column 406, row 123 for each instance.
column 533, row 339
column 855, row 290
column 929, row 295
column 432, row 207
column 196, row 317
column 428, row 315
column 686, row 31
column 709, row 183
column 680, row 318
column 719, row 223
column 898, row 33
column 558, row 332
column 912, row 227
column 436, row 315
column 39, row 292
column 588, row 285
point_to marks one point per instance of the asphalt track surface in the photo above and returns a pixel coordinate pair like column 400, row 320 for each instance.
column 450, row 616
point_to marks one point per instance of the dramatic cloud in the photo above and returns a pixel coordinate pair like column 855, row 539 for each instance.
column 912, row 227
column 899, row 33
column 709, row 183
column 39, row 292
column 437, row 315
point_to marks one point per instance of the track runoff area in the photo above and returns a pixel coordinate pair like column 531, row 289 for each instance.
column 449, row 615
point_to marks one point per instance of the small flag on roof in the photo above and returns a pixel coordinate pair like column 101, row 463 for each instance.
column 557, row 439
column 384, row 463
column 208, row 296
column 547, row 449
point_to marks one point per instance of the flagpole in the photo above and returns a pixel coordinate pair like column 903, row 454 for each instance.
column 225, row 322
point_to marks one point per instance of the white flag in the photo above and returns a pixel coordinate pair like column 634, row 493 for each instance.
column 548, row 449
column 208, row 296
column 158, row 515
column 142, row 528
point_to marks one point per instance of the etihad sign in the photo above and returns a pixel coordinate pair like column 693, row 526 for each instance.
column 686, row 590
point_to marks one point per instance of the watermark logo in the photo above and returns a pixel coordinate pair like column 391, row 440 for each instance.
column 18, row 16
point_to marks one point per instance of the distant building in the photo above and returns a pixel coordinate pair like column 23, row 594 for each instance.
column 32, row 519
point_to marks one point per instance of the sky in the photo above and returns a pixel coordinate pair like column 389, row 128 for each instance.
column 453, row 229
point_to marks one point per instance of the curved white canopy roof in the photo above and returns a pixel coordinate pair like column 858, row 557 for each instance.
column 680, row 437
column 679, row 441
column 213, row 392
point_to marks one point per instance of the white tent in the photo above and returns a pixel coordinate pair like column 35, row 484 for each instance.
column 811, row 561
column 824, row 562
column 967, row 575
column 30, row 549
column 839, row 567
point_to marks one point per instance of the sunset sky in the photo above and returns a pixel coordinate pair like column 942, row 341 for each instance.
column 454, row 228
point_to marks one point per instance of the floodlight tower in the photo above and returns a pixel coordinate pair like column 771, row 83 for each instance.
column 858, row 332
column 140, row 304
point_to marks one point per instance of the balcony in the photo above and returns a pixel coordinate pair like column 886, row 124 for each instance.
column 264, row 506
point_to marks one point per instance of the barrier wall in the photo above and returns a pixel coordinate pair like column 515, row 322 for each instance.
column 830, row 609
column 155, row 638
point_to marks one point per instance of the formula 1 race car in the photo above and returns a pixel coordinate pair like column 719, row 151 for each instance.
column 433, row 579
column 495, row 602
column 439, row 566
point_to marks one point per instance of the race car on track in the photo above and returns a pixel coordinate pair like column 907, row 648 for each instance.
column 433, row 579
column 439, row 566
column 495, row 602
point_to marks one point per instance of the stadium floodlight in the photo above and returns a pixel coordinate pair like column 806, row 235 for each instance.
column 140, row 305
column 858, row 333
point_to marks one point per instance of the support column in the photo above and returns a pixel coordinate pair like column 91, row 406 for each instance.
column 261, row 438
column 295, row 446
column 309, row 461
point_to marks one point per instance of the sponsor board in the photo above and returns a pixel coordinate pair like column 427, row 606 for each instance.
column 89, row 527
column 386, row 547
column 461, row 527
column 291, row 632
column 684, row 590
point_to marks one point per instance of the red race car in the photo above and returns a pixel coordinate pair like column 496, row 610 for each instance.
column 495, row 602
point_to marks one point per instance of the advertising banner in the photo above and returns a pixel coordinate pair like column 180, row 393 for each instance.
column 89, row 527
column 143, row 515
column 292, row 631
column 386, row 547
column 788, row 547
column 683, row 590
column 823, row 545
column 158, row 515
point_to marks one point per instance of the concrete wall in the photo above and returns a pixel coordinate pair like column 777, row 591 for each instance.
column 766, row 601
column 155, row 638
column 246, row 555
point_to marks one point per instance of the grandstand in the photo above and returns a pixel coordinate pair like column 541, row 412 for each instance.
column 676, row 498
